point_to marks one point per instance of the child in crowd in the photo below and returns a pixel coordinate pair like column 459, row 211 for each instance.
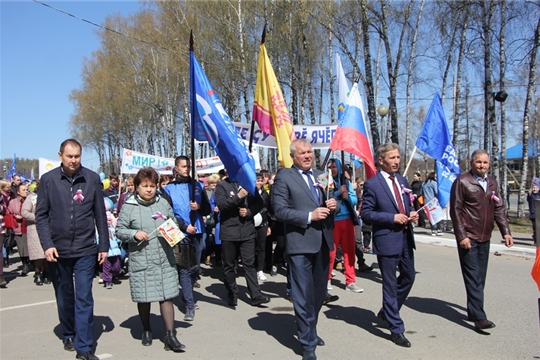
column 111, row 267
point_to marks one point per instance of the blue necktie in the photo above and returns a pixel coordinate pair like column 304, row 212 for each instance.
column 312, row 186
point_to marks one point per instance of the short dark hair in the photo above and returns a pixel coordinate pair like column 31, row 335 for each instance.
column 71, row 142
column 180, row 157
column 146, row 173
column 113, row 176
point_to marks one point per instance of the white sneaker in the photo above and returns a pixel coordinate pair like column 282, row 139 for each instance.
column 352, row 287
column 329, row 286
column 261, row 276
column 440, row 233
column 100, row 281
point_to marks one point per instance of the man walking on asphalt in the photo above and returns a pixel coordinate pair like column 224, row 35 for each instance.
column 475, row 205
column 69, row 209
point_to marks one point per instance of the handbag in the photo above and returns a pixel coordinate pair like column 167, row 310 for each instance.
column 11, row 221
column 185, row 256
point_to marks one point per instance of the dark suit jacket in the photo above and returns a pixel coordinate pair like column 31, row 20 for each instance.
column 291, row 203
column 379, row 208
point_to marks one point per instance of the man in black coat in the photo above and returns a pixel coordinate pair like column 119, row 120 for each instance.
column 237, row 233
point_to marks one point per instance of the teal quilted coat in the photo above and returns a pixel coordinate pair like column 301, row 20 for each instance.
column 152, row 269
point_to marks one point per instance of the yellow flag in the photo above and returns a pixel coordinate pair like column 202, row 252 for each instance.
column 270, row 110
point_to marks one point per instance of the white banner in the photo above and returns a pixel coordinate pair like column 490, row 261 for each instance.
column 46, row 165
column 133, row 161
column 320, row 136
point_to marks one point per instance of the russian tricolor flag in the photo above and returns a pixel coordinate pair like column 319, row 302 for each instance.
column 351, row 135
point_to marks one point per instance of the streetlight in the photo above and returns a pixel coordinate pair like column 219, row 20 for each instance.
column 382, row 110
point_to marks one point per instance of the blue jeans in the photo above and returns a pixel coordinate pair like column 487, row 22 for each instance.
column 74, row 298
column 187, row 277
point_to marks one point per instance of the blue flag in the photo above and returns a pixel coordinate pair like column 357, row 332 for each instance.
column 14, row 165
column 445, row 179
column 434, row 140
column 210, row 122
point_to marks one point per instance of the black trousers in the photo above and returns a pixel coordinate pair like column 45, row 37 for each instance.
column 474, row 264
column 246, row 250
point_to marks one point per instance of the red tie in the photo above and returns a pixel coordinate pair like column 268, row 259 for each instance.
column 397, row 194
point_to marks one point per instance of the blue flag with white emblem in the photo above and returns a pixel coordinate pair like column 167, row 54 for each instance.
column 210, row 122
column 434, row 140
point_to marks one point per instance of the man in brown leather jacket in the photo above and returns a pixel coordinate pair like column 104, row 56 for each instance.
column 475, row 205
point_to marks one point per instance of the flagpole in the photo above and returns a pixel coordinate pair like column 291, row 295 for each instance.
column 323, row 165
column 409, row 163
column 263, row 39
column 193, row 104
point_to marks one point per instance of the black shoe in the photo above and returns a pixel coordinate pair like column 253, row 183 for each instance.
column 483, row 324
column 330, row 298
column 259, row 300
column 320, row 342
column 172, row 343
column 196, row 285
column 38, row 279
column 46, row 280
column 3, row 281
column 25, row 269
column 116, row 281
column 87, row 356
column 146, row 338
column 364, row 268
column 6, row 262
column 69, row 345
column 233, row 300
column 400, row 340
column 309, row 355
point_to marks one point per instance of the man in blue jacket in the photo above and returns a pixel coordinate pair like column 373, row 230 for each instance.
column 69, row 209
column 388, row 209
column 189, row 213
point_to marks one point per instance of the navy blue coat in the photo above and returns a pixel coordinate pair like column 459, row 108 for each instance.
column 379, row 208
column 68, row 213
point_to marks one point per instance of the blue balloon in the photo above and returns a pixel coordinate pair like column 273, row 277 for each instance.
column 101, row 176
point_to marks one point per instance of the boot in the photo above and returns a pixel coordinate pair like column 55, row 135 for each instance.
column 26, row 266
column 172, row 343
column 38, row 279
column 3, row 281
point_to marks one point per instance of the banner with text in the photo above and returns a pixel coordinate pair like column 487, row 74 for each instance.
column 320, row 136
column 133, row 161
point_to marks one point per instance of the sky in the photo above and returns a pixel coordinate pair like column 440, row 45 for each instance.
column 41, row 57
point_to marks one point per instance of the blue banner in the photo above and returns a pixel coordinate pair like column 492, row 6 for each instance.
column 445, row 179
column 210, row 122
column 434, row 140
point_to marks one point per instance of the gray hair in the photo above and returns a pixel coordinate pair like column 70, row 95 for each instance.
column 478, row 152
column 383, row 149
column 302, row 142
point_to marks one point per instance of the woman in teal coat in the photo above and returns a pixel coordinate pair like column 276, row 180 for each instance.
column 152, row 269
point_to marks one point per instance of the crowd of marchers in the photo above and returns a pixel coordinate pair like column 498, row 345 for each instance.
column 72, row 228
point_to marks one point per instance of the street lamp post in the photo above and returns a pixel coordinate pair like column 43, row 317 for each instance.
column 382, row 110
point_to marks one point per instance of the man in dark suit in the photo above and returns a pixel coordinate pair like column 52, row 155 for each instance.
column 308, row 217
column 388, row 209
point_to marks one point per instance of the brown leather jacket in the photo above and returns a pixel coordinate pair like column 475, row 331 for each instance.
column 474, row 211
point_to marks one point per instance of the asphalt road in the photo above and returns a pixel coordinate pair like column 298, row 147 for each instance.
column 434, row 315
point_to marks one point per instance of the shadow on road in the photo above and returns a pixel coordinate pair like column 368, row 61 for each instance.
column 449, row 311
column 357, row 316
column 280, row 326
